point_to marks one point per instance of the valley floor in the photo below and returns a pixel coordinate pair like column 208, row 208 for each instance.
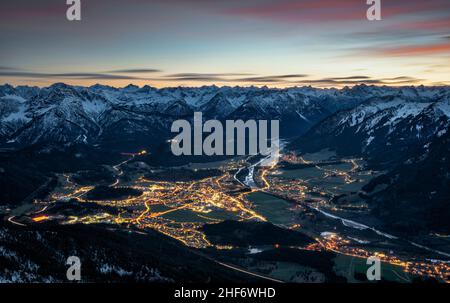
column 315, row 195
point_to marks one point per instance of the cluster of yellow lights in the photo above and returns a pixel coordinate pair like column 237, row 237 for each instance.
column 335, row 243
column 40, row 218
column 160, row 199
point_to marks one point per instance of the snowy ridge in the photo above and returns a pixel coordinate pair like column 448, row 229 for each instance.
column 64, row 113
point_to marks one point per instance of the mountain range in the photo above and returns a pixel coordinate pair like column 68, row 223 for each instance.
column 104, row 115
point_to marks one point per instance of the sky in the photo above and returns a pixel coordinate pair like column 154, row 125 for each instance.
column 282, row 43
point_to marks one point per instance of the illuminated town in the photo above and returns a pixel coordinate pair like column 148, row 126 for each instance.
column 179, row 209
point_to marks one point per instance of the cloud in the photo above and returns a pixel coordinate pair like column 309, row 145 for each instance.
column 134, row 71
column 349, row 78
column 6, row 71
column 207, row 75
column 8, row 68
column 356, row 80
column 233, row 77
column 275, row 78
column 401, row 78
column 198, row 78
column 85, row 76
column 414, row 50
column 331, row 82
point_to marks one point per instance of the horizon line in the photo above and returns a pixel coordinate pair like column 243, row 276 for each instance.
column 234, row 86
